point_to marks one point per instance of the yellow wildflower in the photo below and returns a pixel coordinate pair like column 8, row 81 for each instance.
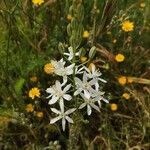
column 142, row 5
column 126, row 95
column 127, row 26
column 29, row 108
column 37, row 2
column 119, row 57
column 34, row 92
column 69, row 17
column 86, row 34
column 39, row 114
column 90, row 66
column 33, row 79
column 49, row 68
column 113, row 107
column 122, row 80
column 83, row 59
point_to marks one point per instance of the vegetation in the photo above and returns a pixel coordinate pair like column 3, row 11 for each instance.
column 47, row 47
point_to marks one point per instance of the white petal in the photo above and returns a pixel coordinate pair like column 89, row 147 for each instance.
column 70, row 57
column 50, row 90
column 70, row 54
column 82, row 95
column 67, row 54
column 77, row 92
column 84, row 77
column 61, row 60
column 82, row 105
column 92, row 91
column 96, row 97
column 105, row 100
column 67, row 88
column 61, row 104
column 71, row 66
column 64, row 80
column 70, row 111
column 78, row 81
column 79, row 71
column 55, row 119
column 95, row 107
column 53, row 100
column 55, row 111
column 96, row 86
column 69, row 119
column 63, row 124
column 102, row 80
column 89, row 110
column 87, row 69
column 67, row 97
column 99, row 103
column 86, row 94
column 49, row 96
column 69, row 69
column 101, row 93
column 58, row 85
column 93, row 81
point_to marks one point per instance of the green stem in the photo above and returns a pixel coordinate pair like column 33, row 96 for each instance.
column 74, row 85
column 94, row 21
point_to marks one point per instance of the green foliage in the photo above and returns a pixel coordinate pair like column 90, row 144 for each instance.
column 19, row 85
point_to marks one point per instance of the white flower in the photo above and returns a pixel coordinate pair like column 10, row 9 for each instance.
column 62, row 115
column 95, row 75
column 61, row 70
column 57, row 93
column 89, row 102
column 71, row 53
column 85, row 85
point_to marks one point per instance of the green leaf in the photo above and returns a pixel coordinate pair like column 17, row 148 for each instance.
column 69, row 30
column 80, row 13
column 61, row 48
column 74, row 24
column 82, row 52
column 19, row 85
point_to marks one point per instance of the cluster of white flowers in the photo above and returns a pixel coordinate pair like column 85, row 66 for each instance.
column 87, row 88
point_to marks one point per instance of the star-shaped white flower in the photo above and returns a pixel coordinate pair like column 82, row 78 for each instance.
column 71, row 53
column 58, row 94
column 61, row 70
column 85, row 85
column 95, row 75
column 62, row 115
column 89, row 102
